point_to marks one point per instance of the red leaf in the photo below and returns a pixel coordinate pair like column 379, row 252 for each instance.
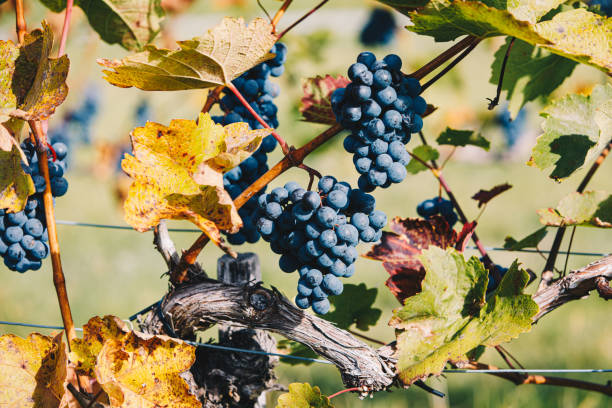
column 316, row 105
column 399, row 251
column 484, row 196
column 465, row 235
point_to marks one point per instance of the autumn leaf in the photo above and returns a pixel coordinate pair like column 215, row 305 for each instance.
column 32, row 371
column 399, row 251
column 32, row 85
column 451, row 316
column 484, row 196
column 178, row 173
column 591, row 208
column 15, row 184
column 222, row 54
column 303, row 395
column 316, row 104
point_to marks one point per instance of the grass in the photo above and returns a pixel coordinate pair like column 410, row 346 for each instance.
column 118, row 272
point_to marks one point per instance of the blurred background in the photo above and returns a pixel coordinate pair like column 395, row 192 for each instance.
column 118, row 272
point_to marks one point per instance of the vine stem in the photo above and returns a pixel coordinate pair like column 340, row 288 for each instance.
column 495, row 101
column 442, row 58
column 279, row 14
column 363, row 336
column 263, row 123
column 66, row 27
column 556, row 245
column 343, row 391
column 450, row 66
column 299, row 20
column 520, row 379
column 293, row 159
column 58, row 274
column 213, row 96
column 20, row 22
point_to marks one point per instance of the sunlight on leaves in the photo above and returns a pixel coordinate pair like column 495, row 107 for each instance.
column 303, row 396
column 590, row 209
column 15, row 184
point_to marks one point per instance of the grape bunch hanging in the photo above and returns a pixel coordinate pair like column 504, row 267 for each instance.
column 23, row 235
column 259, row 90
column 382, row 108
column 316, row 234
column 438, row 205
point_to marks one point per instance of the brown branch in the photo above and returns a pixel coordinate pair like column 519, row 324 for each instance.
column 444, row 57
column 279, row 14
column 520, row 379
column 58, row 274
column 212, row 98
column 556, row 246
column 495, row 101
column 299, row 20
column 20, row 22
column 450, row 66
column 197, row 306
column 293, row 158
column 575, row 285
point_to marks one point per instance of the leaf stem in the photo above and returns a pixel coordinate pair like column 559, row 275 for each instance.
column 343, row 391
column 279, row 14
column 556, row 246
column 452, row 64
column 66, row 27
column 58, row 274
column 20, row 22
column 212, row 98
column 259, row 119
column 495, row 101
column 293, row 159
column 299, row 20
column 442, row 58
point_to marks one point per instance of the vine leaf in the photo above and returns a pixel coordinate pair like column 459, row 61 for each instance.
column 32, row 370
column 303, row 395
column 455, row 137
column 400, row 249
column 580, row 35
column 484, row 196
column 32, row 85
column 591, row 208
column 575, row 128
column 216, row 58
column 451, row 316
column 129, row 23
column 178, row 173
column 293, row 348
column 15, row 184
column 346, row 312
column 530, row 241
column 134, row 369
column 532, row 10
column 531, row 73
column 423, row 152
column 315, row 106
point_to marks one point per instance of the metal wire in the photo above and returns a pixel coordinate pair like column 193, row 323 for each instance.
column 316, row 360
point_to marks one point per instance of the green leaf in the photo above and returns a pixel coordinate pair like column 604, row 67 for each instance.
column 450, row 316
column 425, row 153
column 592, row 209
column 455, row 137
column 294, row 348
column 446, row 20
column 348, row 312
column 575, row 129
column 303, row 396
column 15, row 184
column 530, row 241
column 222, row 54
column 531, row 72
column 32, row 85
column 129, row 23
column 580, row 35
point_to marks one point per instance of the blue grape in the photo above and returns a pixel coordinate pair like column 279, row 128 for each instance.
column 13, row 234
column 379, row 29
column 440, row 206
column 337, row 200
column 18, row 218
column 360, row 221
column 303, row 302
column 328, row 238
column 378, row 219
column 332, row 285
column 288, row 263
column 313, row 278
column 321, row 306
column 312, row 199
column 396, row 172
column 326, row 216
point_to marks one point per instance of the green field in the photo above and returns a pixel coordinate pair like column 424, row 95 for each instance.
column 118, row 272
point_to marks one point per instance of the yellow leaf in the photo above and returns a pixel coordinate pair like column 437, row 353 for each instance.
column 32, row 371
column 222, row 54
column 178, row 173
column 15, row 184
column 32, row 85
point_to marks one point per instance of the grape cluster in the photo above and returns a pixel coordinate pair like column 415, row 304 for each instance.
column 379, row 29
column 381, row 107
column 316, row 234
column 23, row 236
column 258, row 89
column 438, row 205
